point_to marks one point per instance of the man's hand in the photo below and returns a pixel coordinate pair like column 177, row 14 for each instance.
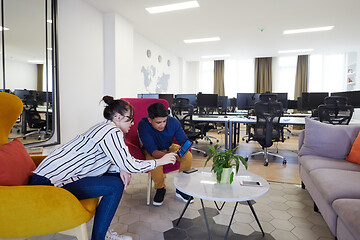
column 126, row 178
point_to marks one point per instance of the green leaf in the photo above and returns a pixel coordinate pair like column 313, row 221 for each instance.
column 231, row 177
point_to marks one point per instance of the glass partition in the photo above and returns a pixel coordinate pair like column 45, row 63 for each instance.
column 28, row 67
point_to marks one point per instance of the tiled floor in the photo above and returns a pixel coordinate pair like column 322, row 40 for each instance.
column 285, row 212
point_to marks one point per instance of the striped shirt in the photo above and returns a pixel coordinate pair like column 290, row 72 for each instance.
column 101, row 149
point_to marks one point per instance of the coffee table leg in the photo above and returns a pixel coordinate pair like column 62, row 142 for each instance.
column 257, row 220
column 207, row 225
column 219, row 208
column 182, row 214
column 232, row 216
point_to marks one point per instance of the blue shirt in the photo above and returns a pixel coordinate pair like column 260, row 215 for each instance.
column 153, row 139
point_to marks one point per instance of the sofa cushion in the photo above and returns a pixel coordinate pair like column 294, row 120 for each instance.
column 348, row 211
column 16, row 165
column 354, row 155
column 311, row 162
column 334, row 183
column 323, row 139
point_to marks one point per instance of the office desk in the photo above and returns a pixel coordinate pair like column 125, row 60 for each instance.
column 229, row 122
column 216, row 119
column 297, row 114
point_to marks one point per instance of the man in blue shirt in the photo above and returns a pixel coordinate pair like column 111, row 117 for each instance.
column 157, row 132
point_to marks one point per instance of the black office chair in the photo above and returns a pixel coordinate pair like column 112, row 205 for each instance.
column 267, row 129
column 33, row 120
column 183, row 111
column 335, row 110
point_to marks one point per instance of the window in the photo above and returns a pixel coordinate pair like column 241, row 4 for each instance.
column 326, row 73
column 284, row 72
column 206, row 78
column 239, row 77
column 30, row 68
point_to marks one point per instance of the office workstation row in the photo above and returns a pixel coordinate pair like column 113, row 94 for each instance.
column 244, row 102
column 36, row 118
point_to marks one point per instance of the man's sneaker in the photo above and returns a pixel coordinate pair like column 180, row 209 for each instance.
column 184, row 196
column 159, row 196
column 111, row 235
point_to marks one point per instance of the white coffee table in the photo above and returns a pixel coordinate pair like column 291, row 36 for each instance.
column 203, row 185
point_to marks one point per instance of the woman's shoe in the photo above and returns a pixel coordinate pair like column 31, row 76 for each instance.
column 111, row 235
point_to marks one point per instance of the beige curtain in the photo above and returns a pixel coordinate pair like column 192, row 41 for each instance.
column 263, row 75
column 40, row 76
column 219, row 69
column 302, row 75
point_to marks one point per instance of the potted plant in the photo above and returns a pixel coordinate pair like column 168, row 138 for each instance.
column 223, row 163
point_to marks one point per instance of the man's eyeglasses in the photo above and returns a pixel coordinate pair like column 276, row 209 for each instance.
column 130, row 119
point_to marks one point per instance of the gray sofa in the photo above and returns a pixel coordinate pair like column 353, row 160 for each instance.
column 333, row 182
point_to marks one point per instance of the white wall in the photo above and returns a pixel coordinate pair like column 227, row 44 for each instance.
column 141, row 45
column 24, row 79
column 124, row 58
column 81, row 64
column 118, row 55
column 99, row 53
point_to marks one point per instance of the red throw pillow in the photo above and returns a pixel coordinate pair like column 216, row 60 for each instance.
column 16, row 165
column 354, row 155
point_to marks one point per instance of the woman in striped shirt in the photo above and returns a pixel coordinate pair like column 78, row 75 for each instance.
column 98, row 163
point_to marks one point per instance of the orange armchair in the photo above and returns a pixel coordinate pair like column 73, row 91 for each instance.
column 27, row 211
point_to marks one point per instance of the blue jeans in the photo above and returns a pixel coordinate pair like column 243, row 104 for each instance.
column 109, row 186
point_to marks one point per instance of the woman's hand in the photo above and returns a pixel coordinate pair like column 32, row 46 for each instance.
column 126, row 178
column 166, row 159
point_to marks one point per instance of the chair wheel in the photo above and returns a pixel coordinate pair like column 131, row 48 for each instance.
column 247, row 141
column 246, row 159
column 284, row 161
column 210, row 142
column 205, row 155
column 266, row 164
column 196, row 142
column 217, row 140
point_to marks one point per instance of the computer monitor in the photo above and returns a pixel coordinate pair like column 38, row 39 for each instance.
column 232, row 102
column 292, row 104
column 148, row 95
column 191, row 97
column 41, row 97
column 246, row 101
column 5, row 90
column 24, row 94
column 283, row 98
column 312, row 100
column 352, row 96
column 223, row 102
column 207, row 100
column 168, row 97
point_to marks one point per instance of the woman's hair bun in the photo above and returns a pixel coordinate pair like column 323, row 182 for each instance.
column 108, row 100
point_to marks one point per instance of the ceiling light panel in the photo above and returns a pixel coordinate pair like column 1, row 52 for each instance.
column 5, row 28
column 198, row 40
column 297, row 50
column 217, row 56
column 173, row 7
column 305, row 30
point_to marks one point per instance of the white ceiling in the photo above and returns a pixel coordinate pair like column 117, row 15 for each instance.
column 239, row 22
